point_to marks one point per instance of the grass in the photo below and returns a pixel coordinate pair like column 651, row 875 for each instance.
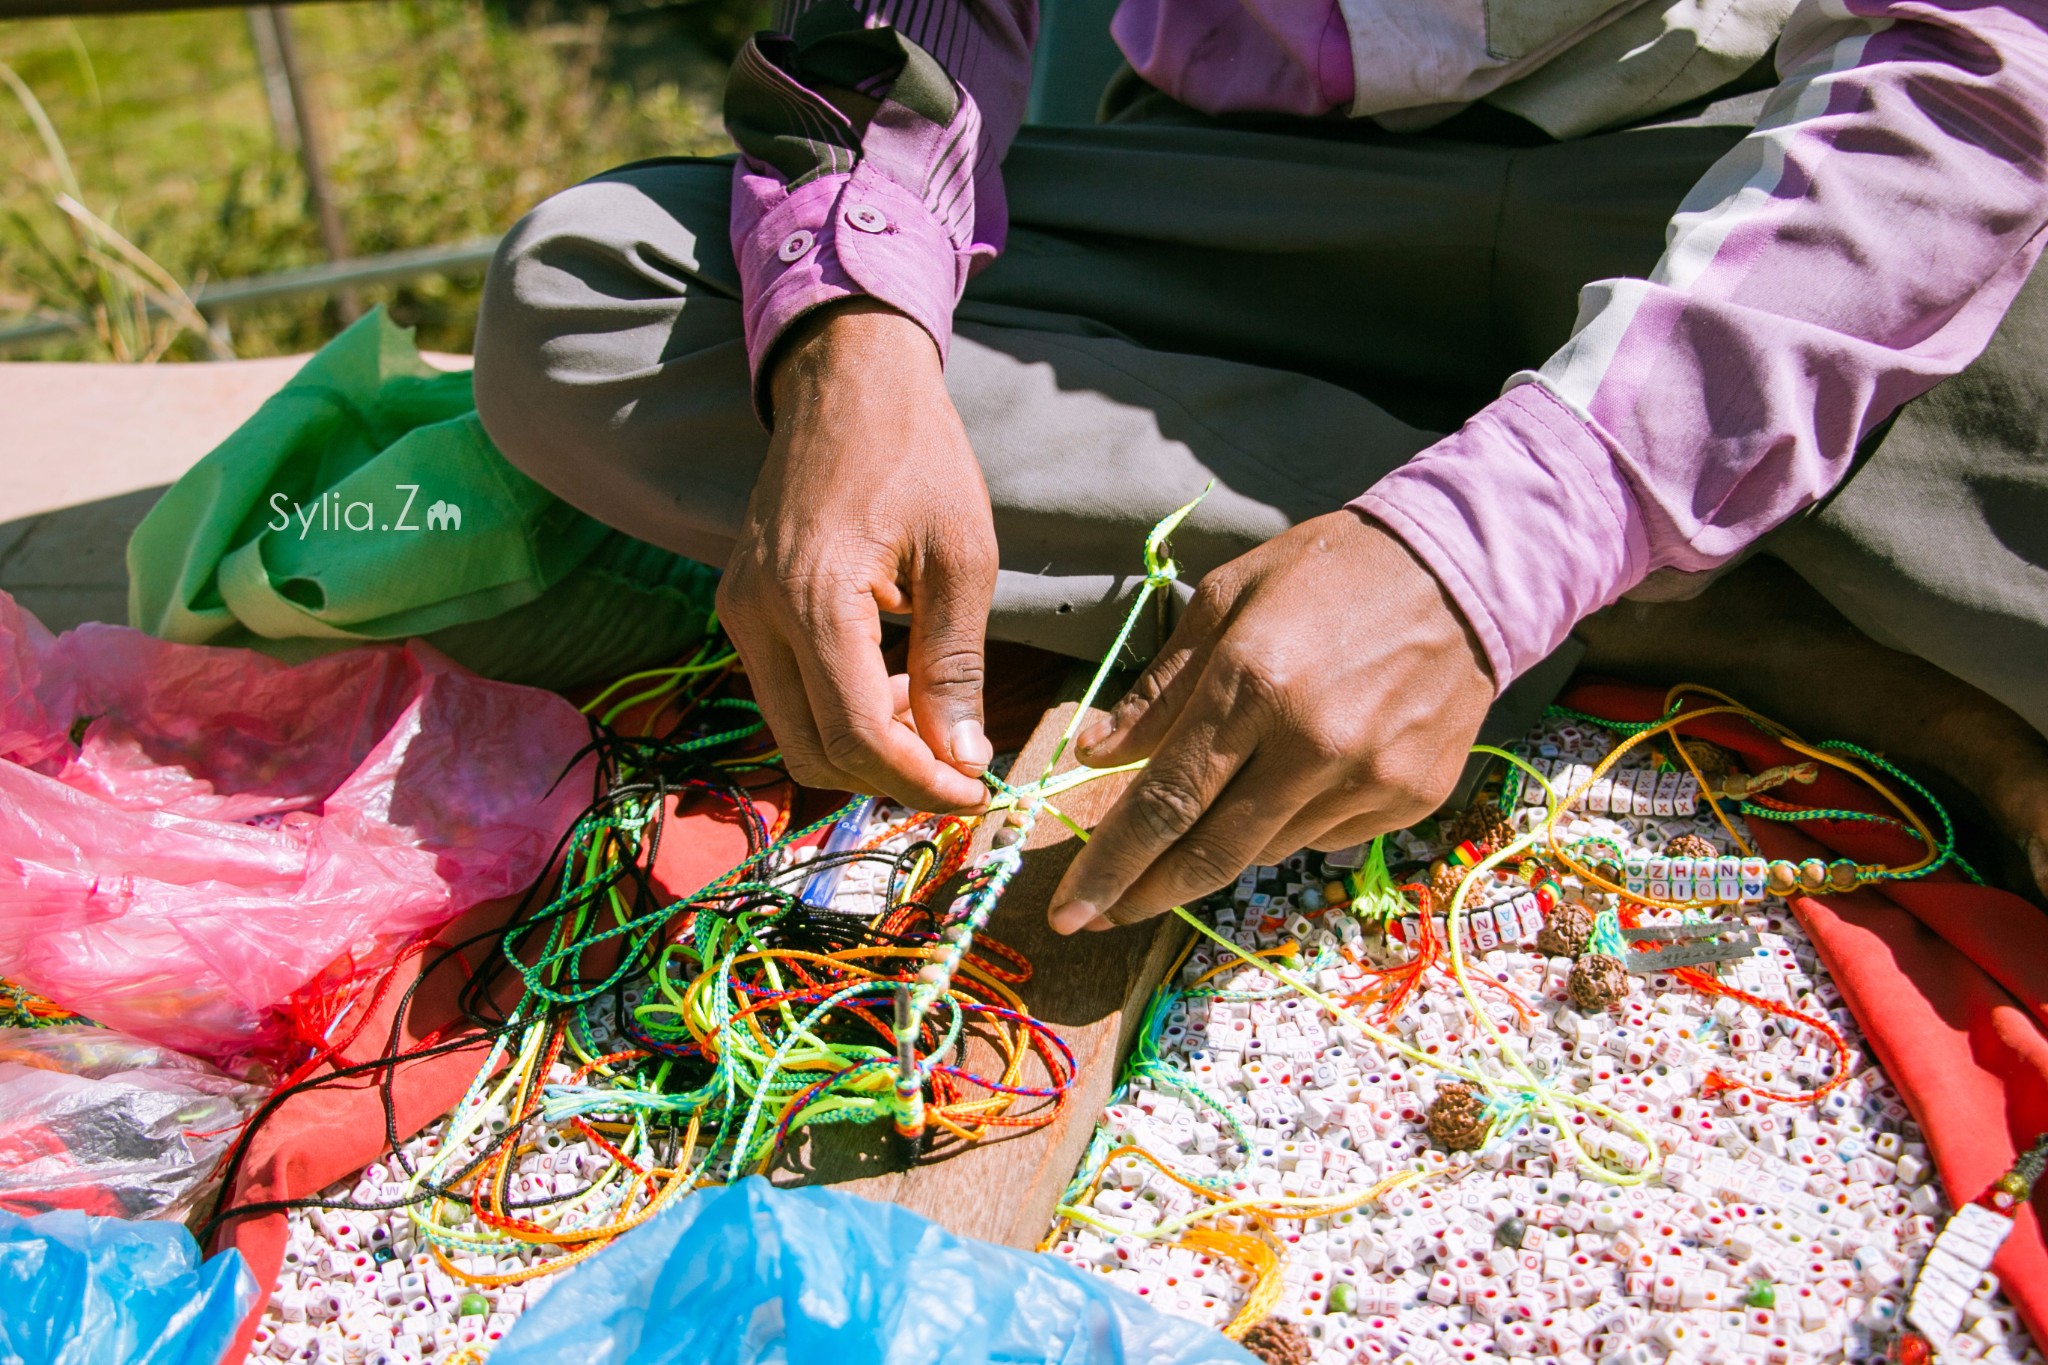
column 446, row 120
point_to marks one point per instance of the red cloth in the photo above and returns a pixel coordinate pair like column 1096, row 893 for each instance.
column 1948, row 979
column 329, row 1134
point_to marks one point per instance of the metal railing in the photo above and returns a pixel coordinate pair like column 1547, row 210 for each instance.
column 332, row 278
column 53, row 9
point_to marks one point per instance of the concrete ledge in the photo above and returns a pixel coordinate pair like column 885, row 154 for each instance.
column 87, row 451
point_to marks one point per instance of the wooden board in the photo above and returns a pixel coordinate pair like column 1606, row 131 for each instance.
column 1092, row 988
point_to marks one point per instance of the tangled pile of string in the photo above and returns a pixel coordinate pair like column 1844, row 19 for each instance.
column 749, row 1013
column 23, row 1008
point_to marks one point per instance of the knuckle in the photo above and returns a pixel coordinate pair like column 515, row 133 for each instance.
column 1342, row 837
column 1369, row 772
column 1164, row 809
column 807, row 767
column 1144, row 693
column 1328, row 741
column 1431, row 789
column 1204, row 866
column 1279, row 851
column 847, row 749
column 1405, row 808
column 1211, row 599
column 972, row 555
column 818, row 583
column 731, row 594
column 1405, row 795
column 957, row 671
column 1256, row 682
column 741, row 594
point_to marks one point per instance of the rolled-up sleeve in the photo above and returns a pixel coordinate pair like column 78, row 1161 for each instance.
column 1858, row 247
column 902, row 207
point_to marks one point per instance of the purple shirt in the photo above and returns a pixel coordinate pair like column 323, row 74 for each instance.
column 1858, row 246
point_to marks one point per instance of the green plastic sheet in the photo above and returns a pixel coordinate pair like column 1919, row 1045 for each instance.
column 363, row 502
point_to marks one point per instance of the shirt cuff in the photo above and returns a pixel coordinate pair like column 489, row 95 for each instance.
column 836, row 237
column 1525, row 517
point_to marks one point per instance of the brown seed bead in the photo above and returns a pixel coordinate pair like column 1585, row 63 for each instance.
column 1783, row 878
column 1479, row 825
column 1813, row 874
column 1710, row 759
column 1278, row 1342
column 1443, row 884
column 1565, row 930
column 1691, row 846
column 1455, row 1118
column 1597, row 983
column 1842, row 877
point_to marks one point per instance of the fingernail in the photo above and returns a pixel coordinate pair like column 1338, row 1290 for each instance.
column 1097, row 735
column 1098, row 924
column 1072, row 916
column 970, row 745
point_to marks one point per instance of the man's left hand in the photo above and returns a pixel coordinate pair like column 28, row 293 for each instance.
column 1319, row 691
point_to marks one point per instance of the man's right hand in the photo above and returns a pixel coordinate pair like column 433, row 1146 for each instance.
column 870, row 501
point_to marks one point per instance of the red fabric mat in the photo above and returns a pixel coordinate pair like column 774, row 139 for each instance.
column 1949, row 981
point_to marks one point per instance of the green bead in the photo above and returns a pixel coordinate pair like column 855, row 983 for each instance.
column 1762, row 1294
column 1510, row 1231
column 380, row 1253
column 2014, row 1184
column 473, row 1306
column 1343, row 1298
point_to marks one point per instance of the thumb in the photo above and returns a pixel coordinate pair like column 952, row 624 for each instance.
column 948, row 621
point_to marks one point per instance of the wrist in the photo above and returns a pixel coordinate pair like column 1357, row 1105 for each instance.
column 848, row 349
column 1433, row 605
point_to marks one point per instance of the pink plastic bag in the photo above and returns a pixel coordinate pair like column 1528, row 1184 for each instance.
column 191, row 836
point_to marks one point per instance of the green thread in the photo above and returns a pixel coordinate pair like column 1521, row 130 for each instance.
column 1375, row 899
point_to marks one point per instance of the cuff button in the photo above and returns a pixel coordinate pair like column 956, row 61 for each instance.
column 867, row 218
column 795, row 245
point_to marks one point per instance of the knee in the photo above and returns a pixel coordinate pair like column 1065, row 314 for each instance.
column 584, row 296
column 538, row 296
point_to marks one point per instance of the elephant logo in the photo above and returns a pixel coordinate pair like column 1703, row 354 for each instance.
column 444, row 515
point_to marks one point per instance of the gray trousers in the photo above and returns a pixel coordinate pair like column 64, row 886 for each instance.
column 1290, row 311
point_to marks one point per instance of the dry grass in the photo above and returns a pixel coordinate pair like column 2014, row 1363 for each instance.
column 446, row 121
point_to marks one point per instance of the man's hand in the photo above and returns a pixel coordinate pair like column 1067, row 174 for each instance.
column 1320, row 690
column 870, row 501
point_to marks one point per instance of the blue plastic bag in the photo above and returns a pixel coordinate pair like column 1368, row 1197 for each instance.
column 748, row 1274
column 78, row 1290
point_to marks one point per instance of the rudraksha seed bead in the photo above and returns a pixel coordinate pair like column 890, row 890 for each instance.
column 1597, row 983
column 1691, row 846
column 1456, row 1118
column 1711, row 759
column 1479, row 825
column 1279, row 1342
column 1566, row 930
